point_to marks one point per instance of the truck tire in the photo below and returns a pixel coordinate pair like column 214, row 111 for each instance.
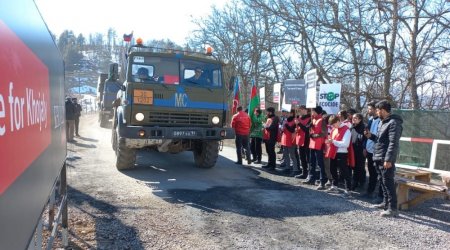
column 125, row 157
column 104, row 120
column 206, row 153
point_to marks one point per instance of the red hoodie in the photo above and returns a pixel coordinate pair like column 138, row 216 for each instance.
column 241, row 123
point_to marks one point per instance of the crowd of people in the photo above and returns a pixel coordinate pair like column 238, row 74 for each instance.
column 327, row 150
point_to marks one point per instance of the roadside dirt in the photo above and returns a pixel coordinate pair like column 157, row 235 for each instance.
column 167, row 203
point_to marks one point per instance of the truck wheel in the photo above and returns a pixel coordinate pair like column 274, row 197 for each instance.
column 125, row 157
column 206, row 153
column 104, row 121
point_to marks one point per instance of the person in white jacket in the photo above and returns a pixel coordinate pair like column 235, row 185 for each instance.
column 337, row 151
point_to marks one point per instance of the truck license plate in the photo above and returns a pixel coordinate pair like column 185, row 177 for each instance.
column 185, row 133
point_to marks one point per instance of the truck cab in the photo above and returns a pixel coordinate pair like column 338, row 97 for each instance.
column 171, row 101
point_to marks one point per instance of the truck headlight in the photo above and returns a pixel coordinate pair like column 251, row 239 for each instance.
column 215, row 120
column 139, row 117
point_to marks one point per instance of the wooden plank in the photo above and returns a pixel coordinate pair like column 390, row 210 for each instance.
column 415, row 174
column 421, row 198
column 429, row 191
column 421, row 185
column 402, row 196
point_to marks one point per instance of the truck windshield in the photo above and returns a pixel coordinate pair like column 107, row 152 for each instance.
column 169, row 71
column 201, row 74
column 112, row 87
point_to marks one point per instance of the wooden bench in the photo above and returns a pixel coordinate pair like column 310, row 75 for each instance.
column 427, row 191
column 417, row 174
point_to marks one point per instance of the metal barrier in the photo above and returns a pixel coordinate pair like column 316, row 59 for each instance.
column 431, row 166
column 59, row 193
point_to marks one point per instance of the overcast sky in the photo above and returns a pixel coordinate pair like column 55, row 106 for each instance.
column 149, row 19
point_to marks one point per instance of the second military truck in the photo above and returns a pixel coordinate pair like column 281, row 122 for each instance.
column 107, row 87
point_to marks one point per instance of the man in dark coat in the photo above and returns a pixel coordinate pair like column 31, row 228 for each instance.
column 70, row 119
column 78, row 110
column 385, row 154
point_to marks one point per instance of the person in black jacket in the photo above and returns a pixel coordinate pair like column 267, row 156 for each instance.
column 78, row 110
column 271, row 130
column 70, row 120
column 385, row 154
column 358, row 142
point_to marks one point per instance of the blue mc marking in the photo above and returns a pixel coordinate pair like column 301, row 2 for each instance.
column 181, row 99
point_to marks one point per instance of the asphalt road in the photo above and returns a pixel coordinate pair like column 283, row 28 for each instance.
column 168, row 203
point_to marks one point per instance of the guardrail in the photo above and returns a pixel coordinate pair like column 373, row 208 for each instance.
column 434, row 142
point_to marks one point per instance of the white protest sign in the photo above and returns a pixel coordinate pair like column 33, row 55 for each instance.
column 311, row 92
column 284, row 105
column 277, row 93
column 262, row 98
column 330, row 97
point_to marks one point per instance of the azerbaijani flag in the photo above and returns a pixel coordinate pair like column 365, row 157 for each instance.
column 254, row 99
column 236, row 94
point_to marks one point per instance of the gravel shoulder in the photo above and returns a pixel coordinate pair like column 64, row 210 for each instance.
column 167, row 203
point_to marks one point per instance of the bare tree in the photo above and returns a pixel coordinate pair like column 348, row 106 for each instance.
column 378, row 49
column 426, row 23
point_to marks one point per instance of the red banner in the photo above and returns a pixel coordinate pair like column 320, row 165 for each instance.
column 25, row 115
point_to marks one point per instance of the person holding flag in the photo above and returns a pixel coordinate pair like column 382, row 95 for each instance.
column 241, row 124
column 257, row 121
column 236, row 95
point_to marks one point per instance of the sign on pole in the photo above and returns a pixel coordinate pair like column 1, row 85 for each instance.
column 277, row 94
column 295, row 92
column 262, row 98
column 330, row 97
column 284, row 105
column 311, row 85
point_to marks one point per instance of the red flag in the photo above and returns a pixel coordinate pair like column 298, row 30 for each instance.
column 127, row 38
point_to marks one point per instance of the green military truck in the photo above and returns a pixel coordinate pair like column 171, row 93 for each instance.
column 171, row 101
column 107, row 87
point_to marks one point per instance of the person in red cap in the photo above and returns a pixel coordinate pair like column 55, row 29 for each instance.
column 241, row 123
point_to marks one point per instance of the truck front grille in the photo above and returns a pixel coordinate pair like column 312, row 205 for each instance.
column 177, row 119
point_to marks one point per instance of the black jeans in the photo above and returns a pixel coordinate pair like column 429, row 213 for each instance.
column 387, row 184
column 373, row 176
column 340, row 161
column 255, row 148
column 270, row 149
column 317, row 158
column 304, row 158
column 242, row 142
column 359, row 177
